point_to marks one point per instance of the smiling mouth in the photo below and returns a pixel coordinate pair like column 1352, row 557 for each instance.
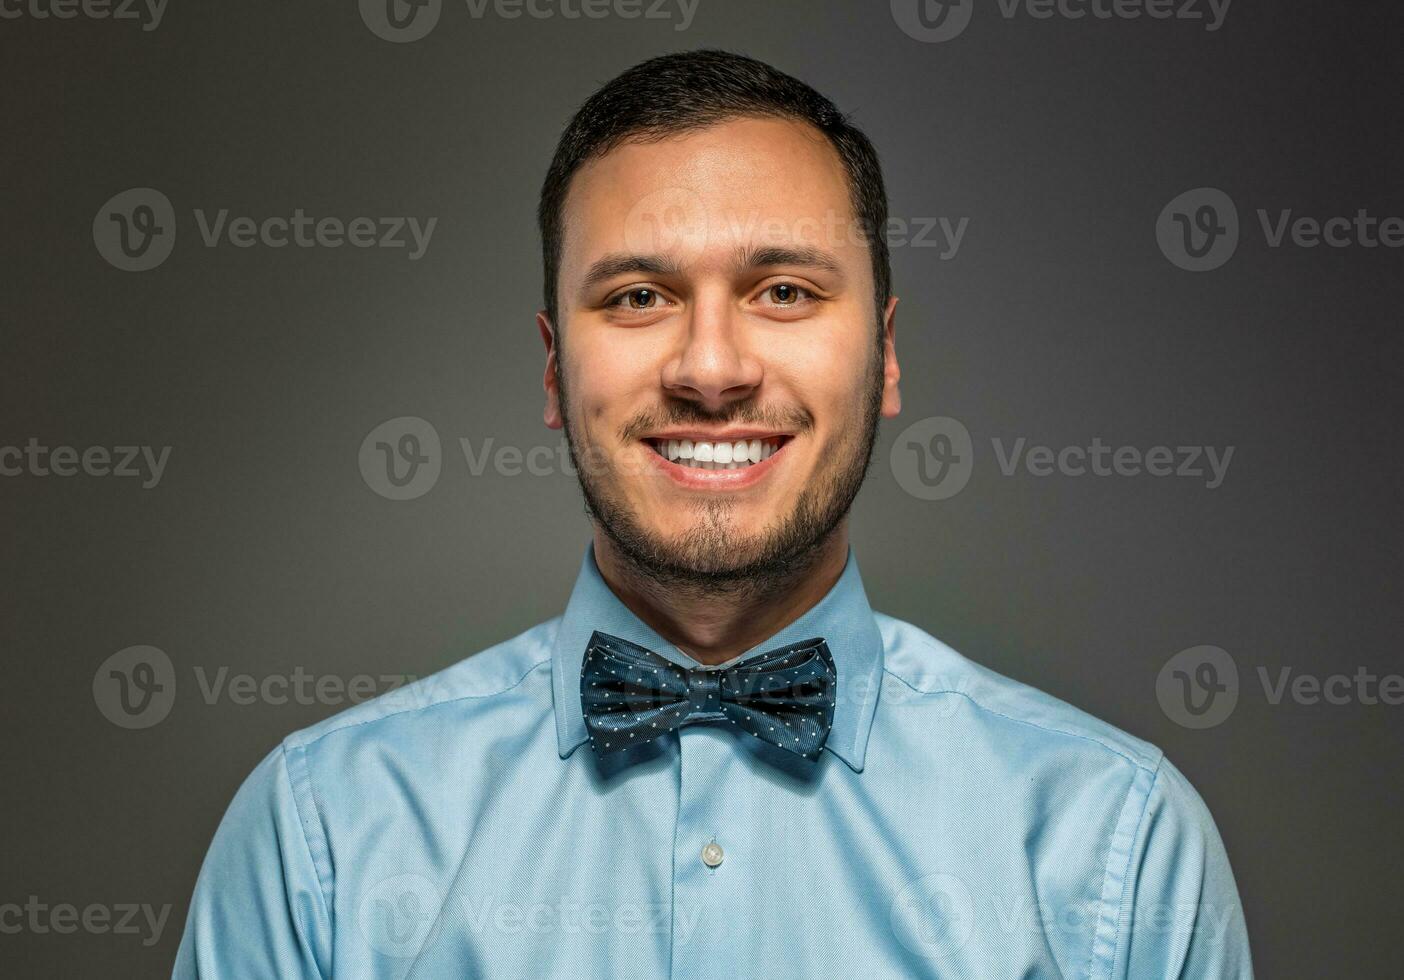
column 723, row 455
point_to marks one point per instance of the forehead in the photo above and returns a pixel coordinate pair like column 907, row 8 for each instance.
column 734, row 185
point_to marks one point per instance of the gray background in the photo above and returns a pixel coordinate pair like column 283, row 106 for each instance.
column 1058, row 320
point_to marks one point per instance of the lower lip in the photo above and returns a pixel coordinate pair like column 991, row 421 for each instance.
column 692, row 478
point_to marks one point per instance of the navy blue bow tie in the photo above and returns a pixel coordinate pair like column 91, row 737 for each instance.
column 632, row 695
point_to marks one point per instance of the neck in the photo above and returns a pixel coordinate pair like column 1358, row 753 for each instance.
column 714, row 625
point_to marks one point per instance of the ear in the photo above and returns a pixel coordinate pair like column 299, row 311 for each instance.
column 551, row 381
column 891, row 373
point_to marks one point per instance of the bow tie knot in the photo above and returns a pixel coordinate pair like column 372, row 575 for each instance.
column 704, row 691
column 784, row 696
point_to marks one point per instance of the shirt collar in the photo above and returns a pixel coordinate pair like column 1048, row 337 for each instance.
column 843, row 618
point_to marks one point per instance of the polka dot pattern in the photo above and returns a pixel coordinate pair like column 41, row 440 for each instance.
column 631, row 695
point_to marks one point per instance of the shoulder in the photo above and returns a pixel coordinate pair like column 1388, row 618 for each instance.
column 515, row 670
column 396, row 750
column 922, row 670
column 1075, row 778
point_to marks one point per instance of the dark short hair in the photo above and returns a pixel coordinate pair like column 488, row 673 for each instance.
column 676, row 93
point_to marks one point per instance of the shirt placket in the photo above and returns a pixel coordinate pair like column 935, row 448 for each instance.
column 711, row 855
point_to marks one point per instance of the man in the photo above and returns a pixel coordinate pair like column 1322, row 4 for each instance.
column 719, row 762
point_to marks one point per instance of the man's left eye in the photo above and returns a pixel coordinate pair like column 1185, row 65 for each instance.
column 786, row 294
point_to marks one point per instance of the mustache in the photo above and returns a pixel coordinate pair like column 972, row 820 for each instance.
column 686, row 413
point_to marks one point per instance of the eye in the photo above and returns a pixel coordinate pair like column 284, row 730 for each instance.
column 639, row 298
column 787, row 294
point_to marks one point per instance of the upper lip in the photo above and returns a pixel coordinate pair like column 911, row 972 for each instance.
column 721, row 435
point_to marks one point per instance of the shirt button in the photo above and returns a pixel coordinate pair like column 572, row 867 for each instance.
column 712, row 854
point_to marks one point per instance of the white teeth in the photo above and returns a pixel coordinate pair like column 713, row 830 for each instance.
column 716, row 455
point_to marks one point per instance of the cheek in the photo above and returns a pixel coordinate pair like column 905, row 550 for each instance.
column 608, row 380
column 828, row 374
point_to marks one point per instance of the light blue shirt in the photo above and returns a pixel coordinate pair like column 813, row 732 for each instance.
column 959, row 824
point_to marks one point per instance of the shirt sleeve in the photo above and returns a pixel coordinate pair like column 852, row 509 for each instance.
column 259, row 911
column 1181, row 916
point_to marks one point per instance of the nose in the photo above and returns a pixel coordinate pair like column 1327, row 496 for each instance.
column 714, row 365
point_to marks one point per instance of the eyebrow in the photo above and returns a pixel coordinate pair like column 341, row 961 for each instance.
column 774, row 255
column 626, row 263
column 621, row 263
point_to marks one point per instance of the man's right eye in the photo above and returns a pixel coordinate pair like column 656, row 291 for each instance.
column 636, row 299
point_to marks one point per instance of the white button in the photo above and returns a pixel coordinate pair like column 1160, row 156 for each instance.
column 712, row 854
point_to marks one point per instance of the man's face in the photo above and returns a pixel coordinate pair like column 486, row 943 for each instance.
column 722, row 371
